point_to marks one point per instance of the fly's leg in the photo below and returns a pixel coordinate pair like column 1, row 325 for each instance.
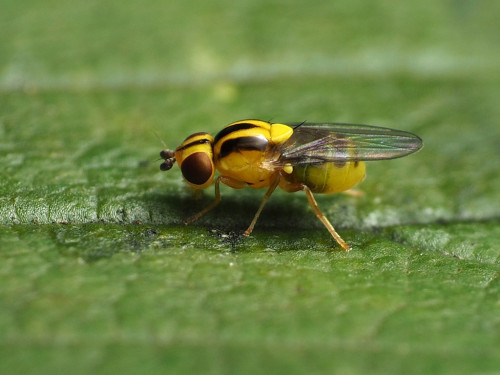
column 209, row 207
column 226, row 180
column 324, row 220
column 272, row 187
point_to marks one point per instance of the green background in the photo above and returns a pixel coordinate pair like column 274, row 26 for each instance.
column 99, row 275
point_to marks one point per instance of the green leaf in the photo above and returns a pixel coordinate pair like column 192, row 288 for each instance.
column 99, row 275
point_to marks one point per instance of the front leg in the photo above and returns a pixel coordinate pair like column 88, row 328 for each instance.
column 225, row 180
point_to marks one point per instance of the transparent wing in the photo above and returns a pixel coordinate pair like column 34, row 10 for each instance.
column 334, row 142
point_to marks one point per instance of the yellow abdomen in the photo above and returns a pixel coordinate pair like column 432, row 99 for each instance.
column 327, row 178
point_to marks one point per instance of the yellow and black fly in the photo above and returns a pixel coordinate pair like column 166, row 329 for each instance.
column 317, row 158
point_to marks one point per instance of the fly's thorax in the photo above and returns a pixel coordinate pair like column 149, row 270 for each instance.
column 195, row 158
column 327, row 178
column 243, row 150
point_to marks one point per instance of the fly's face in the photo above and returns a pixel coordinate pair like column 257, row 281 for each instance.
column 195, row 158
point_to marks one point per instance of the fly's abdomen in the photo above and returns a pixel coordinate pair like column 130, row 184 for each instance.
column 327, row 178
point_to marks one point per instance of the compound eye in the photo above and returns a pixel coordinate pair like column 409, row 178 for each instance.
column 198, row 169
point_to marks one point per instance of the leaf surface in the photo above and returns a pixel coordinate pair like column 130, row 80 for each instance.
column 98, row 273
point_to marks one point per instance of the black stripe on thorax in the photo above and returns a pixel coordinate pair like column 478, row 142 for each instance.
column 194, row 143
column 254, row 143
column 232, row 128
